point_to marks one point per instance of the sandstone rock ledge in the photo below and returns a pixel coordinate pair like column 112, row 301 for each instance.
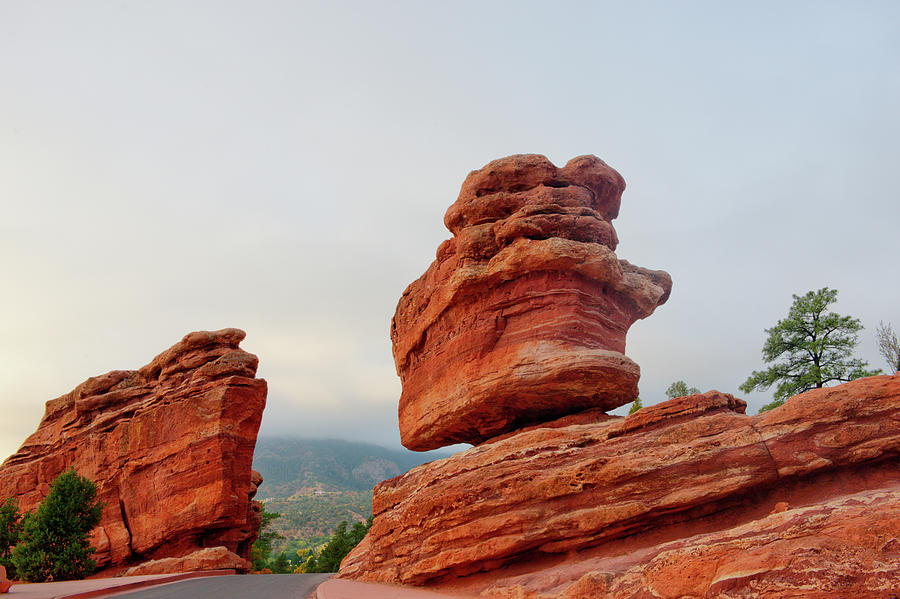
column 688, row 498
column 170, row 447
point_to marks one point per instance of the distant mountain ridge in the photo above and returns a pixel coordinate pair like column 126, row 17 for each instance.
column 308, row 466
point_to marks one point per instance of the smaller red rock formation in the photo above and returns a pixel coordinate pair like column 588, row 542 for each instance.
column 211, row 558
column 522, row 317
column 169, row 446
column 687, row 498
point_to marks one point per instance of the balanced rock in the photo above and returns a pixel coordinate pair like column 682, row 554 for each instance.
column 169, row 446
column 687, row 498
column 522, row 316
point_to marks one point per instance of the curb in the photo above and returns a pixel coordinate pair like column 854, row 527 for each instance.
column 116, row 589
column 131, row 586
column 336, row 588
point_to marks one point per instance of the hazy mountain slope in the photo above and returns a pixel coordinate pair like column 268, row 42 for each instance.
column 307, row 466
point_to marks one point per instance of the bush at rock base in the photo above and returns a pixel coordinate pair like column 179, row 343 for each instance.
column 329, row 559
column 54, row 539
column 10, row 527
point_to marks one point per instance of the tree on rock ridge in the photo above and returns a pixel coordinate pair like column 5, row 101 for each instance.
column 637, row 405
column 680, row 389
column 809, row 349
column 888, row 345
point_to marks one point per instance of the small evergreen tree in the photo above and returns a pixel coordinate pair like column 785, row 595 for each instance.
column 281, row 565
column 808, row 349
column 262, row 547
column 54, row 539
column 680, row 389
column 637, row 405
column 311, row 564
column 10, row 528
column 341, row 543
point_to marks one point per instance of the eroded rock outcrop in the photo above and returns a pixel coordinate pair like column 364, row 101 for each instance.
column 170, row 447
column 687, row 498
column 501, row 343
column 522, row 317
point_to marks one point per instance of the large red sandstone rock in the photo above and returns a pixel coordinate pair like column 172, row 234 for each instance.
column 170, row 447
column 522, row 317
column 688, row 498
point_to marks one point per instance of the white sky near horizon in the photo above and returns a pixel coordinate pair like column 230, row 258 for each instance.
column 284, row 168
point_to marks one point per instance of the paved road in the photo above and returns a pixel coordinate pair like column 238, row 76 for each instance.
column 263, row 586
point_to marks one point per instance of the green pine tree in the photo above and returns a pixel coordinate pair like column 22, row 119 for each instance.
column 281, row 565
column 10, row 529
column 341, row 543
column 637, row 405
column 680, row 389
column 809, row 349
column 262, row 547
column 54, row 539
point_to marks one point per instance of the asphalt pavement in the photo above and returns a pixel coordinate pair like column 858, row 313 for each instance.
column 264, row 586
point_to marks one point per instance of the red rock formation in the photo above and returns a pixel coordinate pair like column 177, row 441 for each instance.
column 170, row 447
column 522, row 317
column 688, row 498
column 211, row 558
column 513, row 340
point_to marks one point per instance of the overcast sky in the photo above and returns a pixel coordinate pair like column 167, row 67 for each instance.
column 284, row 167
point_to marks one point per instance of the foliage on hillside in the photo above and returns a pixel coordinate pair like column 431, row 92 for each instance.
column 307, row 521
column 291, row 466
column 340, row 544
column 262, row 547
column 315, row 485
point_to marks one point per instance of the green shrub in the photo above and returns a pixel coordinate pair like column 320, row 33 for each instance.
column 342, row 541
column 281, row 564
column 54, row 539
column 10, row 528
column 262, row 547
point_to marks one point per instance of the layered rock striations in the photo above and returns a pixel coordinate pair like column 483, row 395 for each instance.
column 513, row 341
column 687, row 498
column 523, row 314
column 170, row 447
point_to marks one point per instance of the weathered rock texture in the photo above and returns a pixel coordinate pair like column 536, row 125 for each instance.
column 685, row 499
column 170, row 447
column 513, row 340
column 522, row 317
column 211, row 558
